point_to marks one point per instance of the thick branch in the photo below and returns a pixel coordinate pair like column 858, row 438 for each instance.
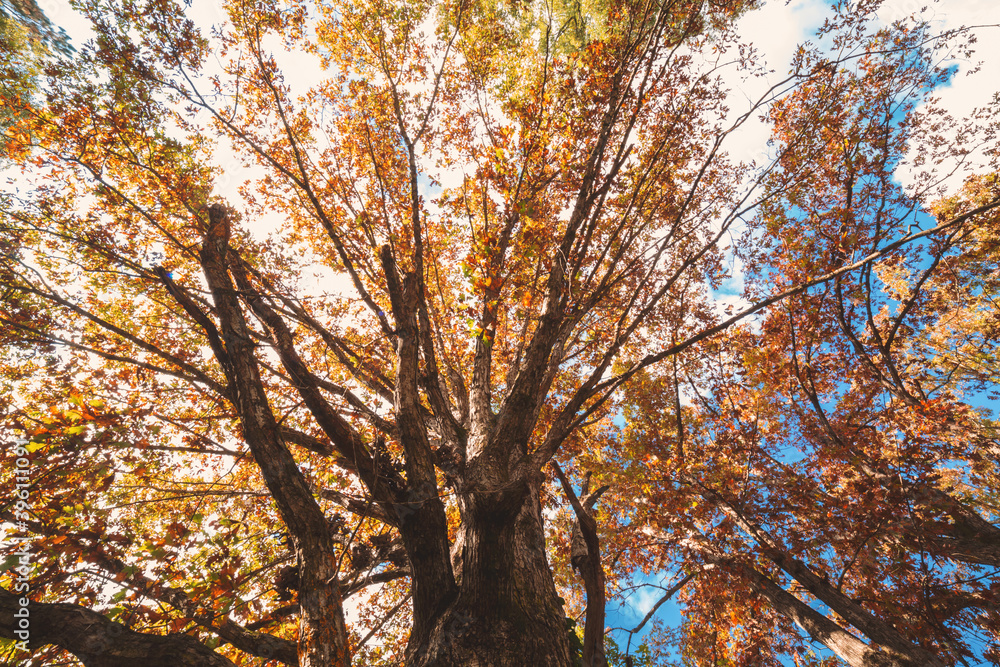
column 878, row 630
column 592, row 572
column 257, row 644
column 380, row 481
column 323, row 634
column 846, row 646
column 422, row 524
column 96, row 640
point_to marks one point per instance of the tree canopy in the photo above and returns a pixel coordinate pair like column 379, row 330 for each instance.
column 449, row 370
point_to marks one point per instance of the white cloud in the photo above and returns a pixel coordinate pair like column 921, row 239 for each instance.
column 775, row 30
column 643, row 600
column 969, row 88
column 778, row 28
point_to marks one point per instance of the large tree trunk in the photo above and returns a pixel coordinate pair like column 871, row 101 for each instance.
column 507, row 613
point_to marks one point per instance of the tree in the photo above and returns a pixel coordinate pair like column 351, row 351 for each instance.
column 516, row 214
column 29, row 17
column 25, row 34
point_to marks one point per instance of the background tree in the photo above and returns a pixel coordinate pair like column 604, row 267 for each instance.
column 25, row 36
column 500, row 225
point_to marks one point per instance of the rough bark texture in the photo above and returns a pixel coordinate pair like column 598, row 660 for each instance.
column 422, row 521
column 100, row 642
column 507, row 612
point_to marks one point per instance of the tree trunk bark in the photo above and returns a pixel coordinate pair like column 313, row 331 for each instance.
column 507, row 612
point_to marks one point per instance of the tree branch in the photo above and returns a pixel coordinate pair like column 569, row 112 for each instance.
column 98, row 641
